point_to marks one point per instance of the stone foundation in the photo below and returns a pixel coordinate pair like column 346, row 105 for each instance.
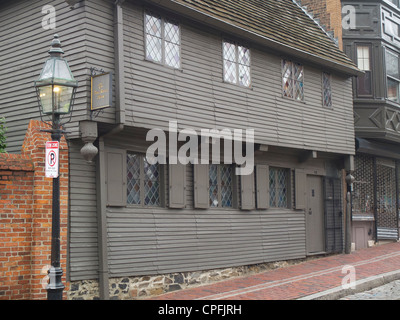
column 128, row 288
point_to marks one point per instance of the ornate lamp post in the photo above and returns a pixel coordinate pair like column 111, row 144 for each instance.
column 55, row 89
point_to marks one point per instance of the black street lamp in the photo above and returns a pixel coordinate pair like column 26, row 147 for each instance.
column 55, row 90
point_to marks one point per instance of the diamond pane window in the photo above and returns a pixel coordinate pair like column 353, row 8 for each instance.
column 292, row 80
column 278, row 187
column 213, row 172
column 326, row 89
column 287, row 79
column 133, row 181
column 143, row 181
column 162, row 41
column 226, row 185
column 221, row 186
column 153, row 38
column 236, row 64
column 151, row 184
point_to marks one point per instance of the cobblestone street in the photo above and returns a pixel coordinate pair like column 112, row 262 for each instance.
column 390, row 291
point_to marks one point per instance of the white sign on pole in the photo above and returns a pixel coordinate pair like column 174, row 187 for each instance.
column 52, row 158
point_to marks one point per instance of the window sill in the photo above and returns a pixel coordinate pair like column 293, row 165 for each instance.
column 238, row 85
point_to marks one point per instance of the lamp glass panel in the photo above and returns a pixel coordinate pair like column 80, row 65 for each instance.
column 61, row 70
column 47, row 71
column 45, row 95
column 62, row 99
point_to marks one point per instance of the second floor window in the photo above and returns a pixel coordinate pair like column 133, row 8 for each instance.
column 162, row 40
column 364, row 82
column 326, row 90
column 393, row 75
column 236, row 64
column 292, row 80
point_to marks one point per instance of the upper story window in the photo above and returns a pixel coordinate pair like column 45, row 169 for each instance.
column 221, row 185
column 292, row 80
column 143, row 181
column 364, row 82
column 236, row 64
column 326, row 89
column 392, row 74
column 162, row 40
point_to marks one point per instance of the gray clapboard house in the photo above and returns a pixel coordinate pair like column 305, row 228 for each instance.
column 373, row 42
column 262, row 65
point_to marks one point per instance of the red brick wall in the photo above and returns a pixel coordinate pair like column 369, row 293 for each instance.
column 330, row 14
column 25, row 217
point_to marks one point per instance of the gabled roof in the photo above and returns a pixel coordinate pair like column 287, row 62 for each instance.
column 279, row 24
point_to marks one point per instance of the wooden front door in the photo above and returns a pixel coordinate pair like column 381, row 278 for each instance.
column 315, row 240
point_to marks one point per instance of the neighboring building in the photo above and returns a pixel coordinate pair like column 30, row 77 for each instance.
column 262, row 65
column 373, row 43
column 329, row 15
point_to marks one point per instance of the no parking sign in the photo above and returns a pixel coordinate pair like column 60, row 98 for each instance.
column 52, row 152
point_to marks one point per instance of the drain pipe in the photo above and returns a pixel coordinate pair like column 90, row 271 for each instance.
column 119, row 62
column 104, row 289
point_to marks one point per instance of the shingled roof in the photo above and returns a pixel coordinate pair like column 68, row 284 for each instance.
column 279, row 24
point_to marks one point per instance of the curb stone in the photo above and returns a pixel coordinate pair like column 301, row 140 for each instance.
column 361, row 286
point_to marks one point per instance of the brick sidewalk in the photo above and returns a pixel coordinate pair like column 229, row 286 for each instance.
column 300, row 280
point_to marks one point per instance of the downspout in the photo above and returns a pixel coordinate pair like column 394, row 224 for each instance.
column 119, row 62
column 104, row 276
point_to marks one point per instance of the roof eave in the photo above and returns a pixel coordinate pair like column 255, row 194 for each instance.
column 247, row 34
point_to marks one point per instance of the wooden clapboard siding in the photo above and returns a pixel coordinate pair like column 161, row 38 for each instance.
column 153, row 241
column 83, row 240
column 100, row 51
column 23, row 49
column 197, row 97
column 144, row 241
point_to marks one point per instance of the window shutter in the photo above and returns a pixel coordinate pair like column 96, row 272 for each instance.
column 262, row 180
column 300, row 189
column 201, row 186
column 247, row 192
column 177, row 185
column 116, row 177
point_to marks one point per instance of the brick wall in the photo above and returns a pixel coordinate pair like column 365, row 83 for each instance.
column 25, row 217
column 330, row 14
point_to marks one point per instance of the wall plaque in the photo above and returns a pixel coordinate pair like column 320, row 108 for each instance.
column 101, row 91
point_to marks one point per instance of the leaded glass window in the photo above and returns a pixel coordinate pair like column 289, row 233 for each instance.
column 143, row 181
column 292, row 80
column 162, row 38
column 133, row 181
column 221, row 185
column 326, row 89
column 236, row 64
column 278, row 187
